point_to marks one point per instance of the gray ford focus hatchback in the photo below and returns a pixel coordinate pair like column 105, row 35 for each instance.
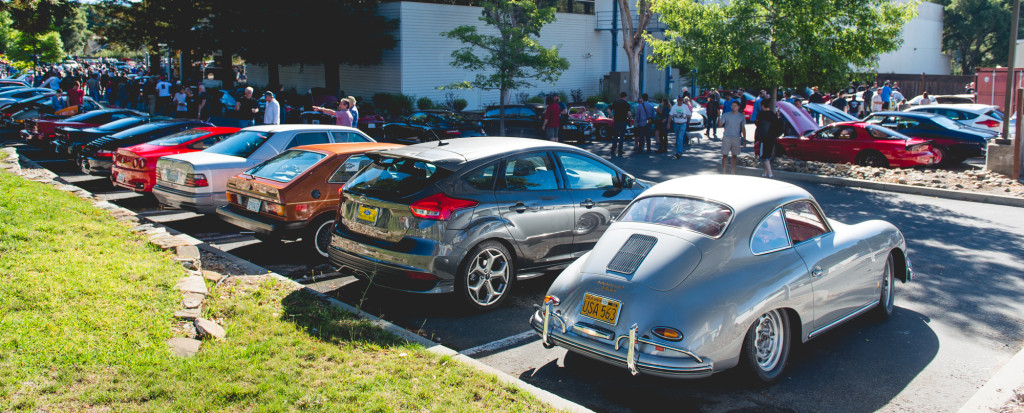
column 473, row 215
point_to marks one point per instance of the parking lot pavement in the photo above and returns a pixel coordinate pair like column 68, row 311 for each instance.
column 953, row 328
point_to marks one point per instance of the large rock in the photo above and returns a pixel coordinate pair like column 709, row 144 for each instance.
column 188, row 313
column 184, row 347
column 213, row 276
column 192, row 300
column 208, row 328
column 194, row 284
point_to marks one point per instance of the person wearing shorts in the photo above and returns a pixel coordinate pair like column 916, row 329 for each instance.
column 733, row 135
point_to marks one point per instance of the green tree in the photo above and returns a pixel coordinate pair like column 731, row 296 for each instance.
column 48, row 46
column 6, row 32
column 513, row 58
column 74, row 31
column 38, row 16
column 977, row 32
column 778, row 42
column 633, row 39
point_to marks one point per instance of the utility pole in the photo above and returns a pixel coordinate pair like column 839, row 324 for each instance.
column 1014, row 20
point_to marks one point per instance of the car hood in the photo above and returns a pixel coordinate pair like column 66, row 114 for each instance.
column 665, row 265
column 210, row 161
column 798, row 118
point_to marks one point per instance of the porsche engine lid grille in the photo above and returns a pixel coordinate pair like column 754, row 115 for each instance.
column 632, row 253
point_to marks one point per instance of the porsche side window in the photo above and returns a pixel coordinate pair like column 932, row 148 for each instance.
column 803, row 222
column 770, row 235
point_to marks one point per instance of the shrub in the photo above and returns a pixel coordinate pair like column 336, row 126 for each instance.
column 592, row 100
column 535, row 99
column 523, row 97
column 459, row 104
column 424, row 103
column 577, row 95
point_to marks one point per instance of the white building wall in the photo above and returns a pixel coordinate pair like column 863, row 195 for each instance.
column 921, row 51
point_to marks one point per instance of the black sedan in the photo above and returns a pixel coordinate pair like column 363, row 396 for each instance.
column 952, row 141
column 69, row 141
column 431, row 125
column 96, row 157
column 527, row 120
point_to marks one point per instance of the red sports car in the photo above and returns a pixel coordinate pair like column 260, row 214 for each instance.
column 860, row 143
column 135, row 166
column 43, row 131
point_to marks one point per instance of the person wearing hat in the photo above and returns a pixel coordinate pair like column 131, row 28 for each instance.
column 272, row 114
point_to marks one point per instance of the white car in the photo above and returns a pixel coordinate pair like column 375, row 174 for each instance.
column 974, row 115
column 197, row 181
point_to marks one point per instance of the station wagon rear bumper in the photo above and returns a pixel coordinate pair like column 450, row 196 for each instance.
column 260, row 224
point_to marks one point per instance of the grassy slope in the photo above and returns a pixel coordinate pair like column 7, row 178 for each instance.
column 85, row 308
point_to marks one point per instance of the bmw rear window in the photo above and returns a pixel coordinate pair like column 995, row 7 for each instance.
column 698, row 215
column 241, row 144
column 395, row 178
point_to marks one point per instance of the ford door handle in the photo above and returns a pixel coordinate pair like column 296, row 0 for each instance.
column 816, row 272
column 518, row 207
column 587, row 204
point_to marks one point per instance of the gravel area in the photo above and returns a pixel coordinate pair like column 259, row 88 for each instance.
column 970, row 180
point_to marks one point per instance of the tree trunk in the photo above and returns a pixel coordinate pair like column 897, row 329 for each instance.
column 273, row 74
column 633, row 59
column 501, row 113
column 227, row 74
column 332, row 73
column 154, row 64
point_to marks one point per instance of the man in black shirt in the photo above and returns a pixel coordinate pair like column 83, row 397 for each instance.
column 620, row 116
column 247, row 107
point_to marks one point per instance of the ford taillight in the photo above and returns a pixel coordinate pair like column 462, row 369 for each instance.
column 439, row 206
column 988, row 123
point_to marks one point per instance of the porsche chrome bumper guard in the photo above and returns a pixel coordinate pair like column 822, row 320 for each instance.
column 632, row 359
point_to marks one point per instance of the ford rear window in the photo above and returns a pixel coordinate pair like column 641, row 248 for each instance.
column 395, row 178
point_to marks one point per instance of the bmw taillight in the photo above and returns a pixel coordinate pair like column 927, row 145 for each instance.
column 988, row 123
column 439, row 206
column 196, row 180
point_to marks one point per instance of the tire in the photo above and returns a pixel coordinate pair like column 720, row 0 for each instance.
column 944, row 156
column 872, row 158
column 887, row 296
column 766, row 347
column 318, row 236
column 602, row 132
column 486, row 275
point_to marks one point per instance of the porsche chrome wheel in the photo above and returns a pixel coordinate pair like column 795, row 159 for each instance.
column 766, row 347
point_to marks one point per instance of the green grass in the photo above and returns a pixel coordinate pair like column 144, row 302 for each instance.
column 85, row 308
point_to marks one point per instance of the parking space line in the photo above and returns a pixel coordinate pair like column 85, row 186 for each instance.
column 501, row 344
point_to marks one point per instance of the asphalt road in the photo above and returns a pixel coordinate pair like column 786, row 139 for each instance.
column 954, row 326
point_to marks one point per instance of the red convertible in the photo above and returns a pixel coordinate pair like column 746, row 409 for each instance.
column 860, row 143
column 135, row 166
column 43, row 131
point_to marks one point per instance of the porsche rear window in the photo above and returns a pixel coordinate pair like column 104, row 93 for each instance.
column 697, row 215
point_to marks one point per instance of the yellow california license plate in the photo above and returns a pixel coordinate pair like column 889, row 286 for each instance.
column 601, row 308
column 367, row 213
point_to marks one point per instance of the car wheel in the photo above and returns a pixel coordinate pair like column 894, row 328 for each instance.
column 602, row 132
column 766, row 347
column 872, row 158
column 318, row 235
column 486, row 276
column 943, row 155
column 887, row 296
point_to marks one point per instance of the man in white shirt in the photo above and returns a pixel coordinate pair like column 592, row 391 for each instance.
column 272, row 115
column 680, row 114
column 163, row 99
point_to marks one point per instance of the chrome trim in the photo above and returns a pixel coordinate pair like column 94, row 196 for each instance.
column 910, row 270
column 841, row 320
column 546, row 313
column 631, row 356
column 682, row 372
column 593, row 331
column 750, row 243
column 633, row 340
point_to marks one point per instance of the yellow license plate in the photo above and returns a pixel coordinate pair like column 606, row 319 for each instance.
column 367, row 213
column 601, row 308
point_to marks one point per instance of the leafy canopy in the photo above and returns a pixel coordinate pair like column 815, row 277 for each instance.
column 513, row 58
column 778, row 42
column 977, row 32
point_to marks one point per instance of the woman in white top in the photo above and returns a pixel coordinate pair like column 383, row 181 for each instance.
column 876, row 102
column 925, row 100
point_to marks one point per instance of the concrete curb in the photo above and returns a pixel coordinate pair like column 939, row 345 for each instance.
column 885, row 186
column 998, row 391
column 543, row 395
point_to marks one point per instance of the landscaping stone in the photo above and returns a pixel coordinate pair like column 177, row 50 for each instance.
column 188, row 313
column 193, row 284
column 187, row 252
column 192, row 300
column 184, row 347
column 213, row 275
column 208, row 328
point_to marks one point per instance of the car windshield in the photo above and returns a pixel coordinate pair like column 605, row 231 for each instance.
column 241, row 144
column 121, row 124
column 453, row 117
column 697, row 215
column 179, row 138
column 881, row 132
column 394, row 178
column 286, row 166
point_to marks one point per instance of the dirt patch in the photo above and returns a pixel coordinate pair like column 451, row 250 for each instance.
column 969, row 180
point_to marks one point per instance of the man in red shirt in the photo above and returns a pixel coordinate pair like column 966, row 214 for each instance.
column 76, row 95
column 552, row 118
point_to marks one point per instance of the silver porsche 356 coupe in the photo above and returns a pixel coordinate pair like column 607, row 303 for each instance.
column 705, row 273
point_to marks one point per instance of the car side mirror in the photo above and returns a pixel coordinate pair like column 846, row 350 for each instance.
column 626, row 181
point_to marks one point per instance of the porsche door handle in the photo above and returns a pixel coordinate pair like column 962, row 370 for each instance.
column 587, row 204
column 518, row 207
column 816, row 272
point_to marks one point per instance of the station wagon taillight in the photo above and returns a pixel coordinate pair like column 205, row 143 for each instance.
column 439, row 206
